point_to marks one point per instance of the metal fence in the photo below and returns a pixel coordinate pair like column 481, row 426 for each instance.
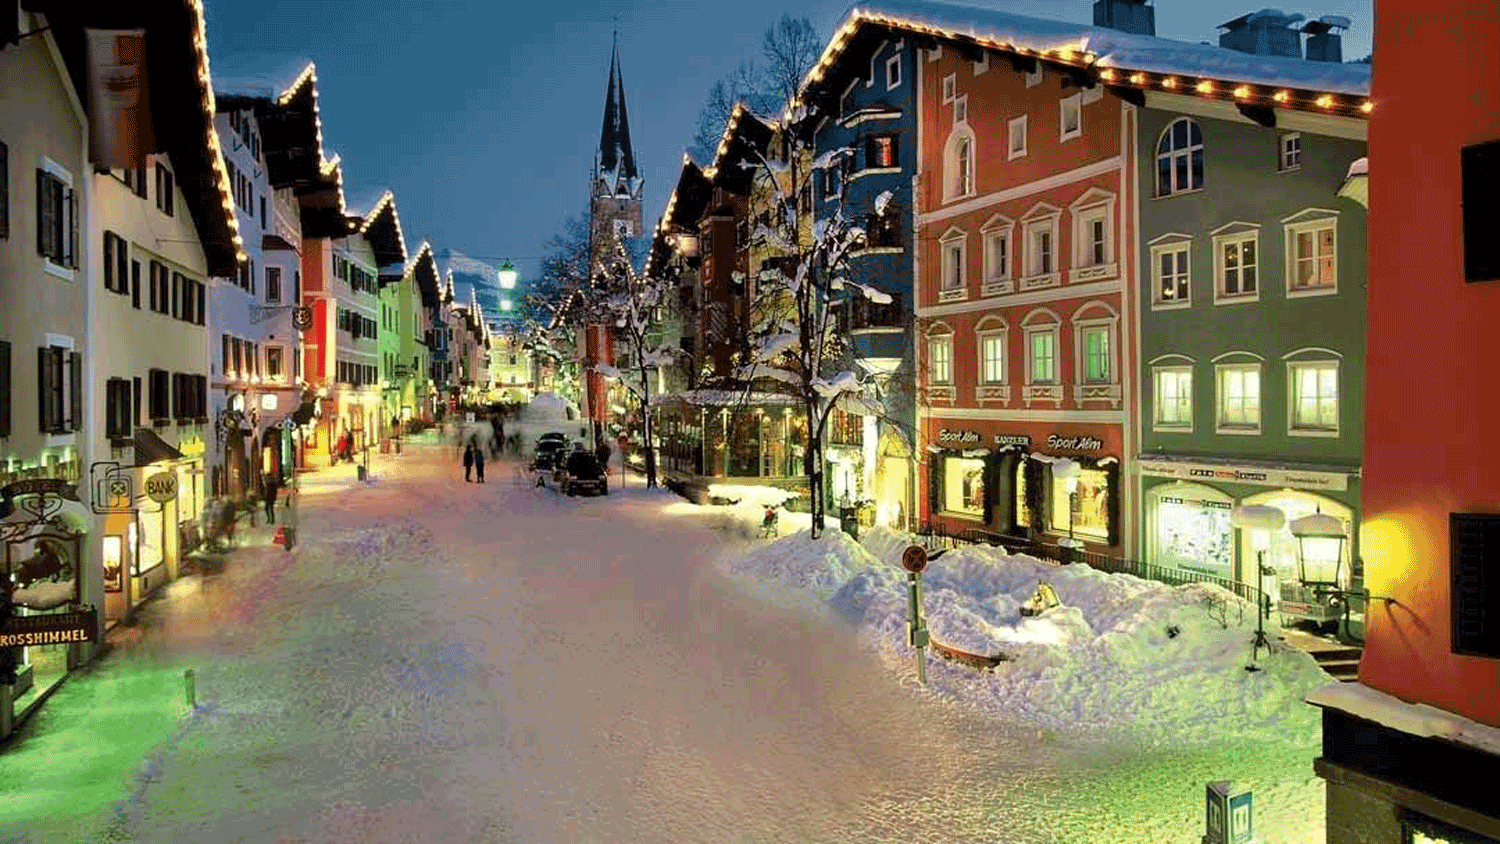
column 938, row 536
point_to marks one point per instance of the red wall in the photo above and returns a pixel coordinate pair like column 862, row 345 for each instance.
column 1432, row 439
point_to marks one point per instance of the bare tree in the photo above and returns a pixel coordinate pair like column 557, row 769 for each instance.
column 789, row 50
column 629, row 301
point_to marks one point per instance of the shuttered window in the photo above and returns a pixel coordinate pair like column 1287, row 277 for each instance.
column 4, row 388
column 4, row 191
column 57, row 220
column 117, row 404
column 135, row 284
column 75, row 391
column 159, row 395
column 51, row 365
column 1475, row 554
column 1481, row 210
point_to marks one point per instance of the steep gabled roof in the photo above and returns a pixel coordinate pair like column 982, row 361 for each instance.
column 324, row 213
column 382, row 228
column 424, row 273
column 614, row 137
column 684, row 208
column 180, row 98
column 1125, row 61
column 740, row 150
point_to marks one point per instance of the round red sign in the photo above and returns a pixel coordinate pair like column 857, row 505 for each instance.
column 914, row 558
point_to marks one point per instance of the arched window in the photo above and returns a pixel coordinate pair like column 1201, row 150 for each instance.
column 1179, row 158
column 958, row 178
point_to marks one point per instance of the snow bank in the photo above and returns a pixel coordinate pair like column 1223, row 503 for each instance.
column 1122, row 654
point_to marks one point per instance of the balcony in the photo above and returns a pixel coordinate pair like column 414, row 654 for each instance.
column 285, row 230
column 996, row 287
column 956, row 294
column 1038, row 282
column 941, row 392
column 1097, row 392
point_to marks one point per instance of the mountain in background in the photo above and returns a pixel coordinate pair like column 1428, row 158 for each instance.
column 471, row 274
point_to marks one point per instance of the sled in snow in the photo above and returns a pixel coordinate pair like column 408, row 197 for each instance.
column 978, row 662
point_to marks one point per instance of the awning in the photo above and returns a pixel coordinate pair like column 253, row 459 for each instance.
column 149, row 448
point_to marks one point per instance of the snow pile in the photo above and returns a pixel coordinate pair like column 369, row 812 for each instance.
column 1120, row 654
column 548, row 407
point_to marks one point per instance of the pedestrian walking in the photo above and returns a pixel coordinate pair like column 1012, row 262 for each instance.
column 479, row 463
column 269, row 488
column 602, row 453
column 468, row 460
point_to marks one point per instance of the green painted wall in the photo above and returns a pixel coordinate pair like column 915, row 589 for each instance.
column 1242, row 183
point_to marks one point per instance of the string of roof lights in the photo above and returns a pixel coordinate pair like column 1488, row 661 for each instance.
column 205, row 84
column 1250, row 94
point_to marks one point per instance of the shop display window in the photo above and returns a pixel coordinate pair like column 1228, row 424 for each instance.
column 1193, row 533
column 963, row 485
column 1091, row 512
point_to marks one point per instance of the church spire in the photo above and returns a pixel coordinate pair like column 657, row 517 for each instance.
column 614, row 137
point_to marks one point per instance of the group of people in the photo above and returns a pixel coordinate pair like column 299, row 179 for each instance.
column 473, row 459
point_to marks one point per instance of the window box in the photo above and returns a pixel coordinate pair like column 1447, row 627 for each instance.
column 992, row 392
column 941, row 392
column 1037, row 282
column 1041, row 392
column 1100, row 272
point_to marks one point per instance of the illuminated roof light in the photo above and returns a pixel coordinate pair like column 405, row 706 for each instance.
column 1107, row 75
column 1205, row 87
column 1242, row 92
column 1137, row 78
column 1367, row 107
column 1281, row 96
column 1169, row 82
column 1324, row 101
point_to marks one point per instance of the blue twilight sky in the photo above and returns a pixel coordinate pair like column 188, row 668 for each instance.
column 483, row 115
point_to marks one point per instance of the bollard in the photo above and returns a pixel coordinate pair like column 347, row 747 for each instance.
column 189, row 692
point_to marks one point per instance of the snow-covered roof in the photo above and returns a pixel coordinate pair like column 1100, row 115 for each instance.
column 1358, row 167
column 1092, row 46
column 1416, row 719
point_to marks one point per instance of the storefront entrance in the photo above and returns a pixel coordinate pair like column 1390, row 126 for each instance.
column 893, row 482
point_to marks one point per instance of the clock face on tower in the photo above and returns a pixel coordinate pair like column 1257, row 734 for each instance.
column 622, row 229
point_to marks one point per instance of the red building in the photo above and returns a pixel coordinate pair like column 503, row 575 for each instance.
column 1024, row 304
column 1403, row 749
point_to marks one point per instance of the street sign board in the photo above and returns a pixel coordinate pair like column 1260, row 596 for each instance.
column 914, row 558
column 162, row 487
column 302, row 318
column 80, row 625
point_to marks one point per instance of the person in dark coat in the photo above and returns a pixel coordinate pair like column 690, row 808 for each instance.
column 269, row 489
column 468, row 460
column 479, row 463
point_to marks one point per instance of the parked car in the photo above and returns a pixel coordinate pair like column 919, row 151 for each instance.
column 581, row 472
column 548, row 453
column 551, row 436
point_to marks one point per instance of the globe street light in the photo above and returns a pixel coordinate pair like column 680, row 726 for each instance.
column 1261, row 521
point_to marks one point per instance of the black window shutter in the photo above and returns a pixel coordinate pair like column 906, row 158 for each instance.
column 4, row 388
column 43, row 213
column 72, row 232
column 135, row 284
column 202, row 396
column 179, row 396
column 934, row 485
column 176, row 293
column 135, row 402
column 1481, row 210
column 75, row 391
column 43, row 388
column 991, row 486
column 152, row 291
column 224, row 366
column 201, row 311
column 1475, row 539
column 4, row 191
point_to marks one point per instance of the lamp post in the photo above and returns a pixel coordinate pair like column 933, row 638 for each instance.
column 1320, row 537
column 1261, row 521
column 1067, row 471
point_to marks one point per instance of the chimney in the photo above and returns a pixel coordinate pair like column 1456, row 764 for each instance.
column 1325, row 39
column 1132, row 16
column 1268, row 32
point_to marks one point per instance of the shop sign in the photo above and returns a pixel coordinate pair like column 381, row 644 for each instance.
column 55, row 628
column 1057, row 441
column 162, row 487
column 40, row 486
column 1012, row 439
column 1197, row 502
column 948, row 436
column 1256, row 476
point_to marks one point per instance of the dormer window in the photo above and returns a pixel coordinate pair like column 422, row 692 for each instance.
column 958, row 175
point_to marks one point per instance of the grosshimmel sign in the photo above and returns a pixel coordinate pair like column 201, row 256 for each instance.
column 53, row 629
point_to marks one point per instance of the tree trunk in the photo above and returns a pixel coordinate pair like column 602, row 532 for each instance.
column 812, row 466
column 646, row 428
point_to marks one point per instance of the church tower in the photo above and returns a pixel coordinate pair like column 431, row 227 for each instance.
column 615, row 202
column 614, row 213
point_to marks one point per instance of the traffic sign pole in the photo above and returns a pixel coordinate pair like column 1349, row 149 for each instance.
column 914, row 559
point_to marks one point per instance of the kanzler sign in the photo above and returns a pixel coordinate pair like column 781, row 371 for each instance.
column 56, row 628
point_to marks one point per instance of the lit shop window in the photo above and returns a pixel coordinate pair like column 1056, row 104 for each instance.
column 963, row 485
column 1090, row 508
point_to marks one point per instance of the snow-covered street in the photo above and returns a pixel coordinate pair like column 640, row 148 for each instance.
column 445, row 661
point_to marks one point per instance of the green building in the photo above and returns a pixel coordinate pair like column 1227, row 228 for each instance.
column 407, row 306
column 1251, row 336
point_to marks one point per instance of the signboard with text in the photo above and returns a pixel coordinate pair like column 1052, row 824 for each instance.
column 1246, row 475
column 80, row 625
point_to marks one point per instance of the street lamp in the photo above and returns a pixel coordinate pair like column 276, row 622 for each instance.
column 1067, row 471
column 1320, row 547
column 1261, row 520
column 508, row 277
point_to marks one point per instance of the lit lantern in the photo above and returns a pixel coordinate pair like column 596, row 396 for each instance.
column 1320, row 545
column 508, row 276
column 505, row 304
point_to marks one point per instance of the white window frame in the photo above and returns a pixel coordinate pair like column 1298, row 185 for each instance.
column 65, row 176
column 941, row 377
column 1311, row 222
column 893, row 72
column 1241, row 234
column 1293, row 371
column 983, row 65
column 950, row 88
column 1016, row 128
column 1173, row 153
column 1164, row 245
column 1075, row 103
column 284, row 374
column 1032, row 274
column 961, row 109
column 1052, row 330
column 991, row 328
column 954, row 241
column 998, row 279
column 1081, row 331
column 1034, row 77
column 958, row 175
column 1176, row 371
column 1095, row 206
column 1237, row 428
column 935, row 53
column 1284, row 162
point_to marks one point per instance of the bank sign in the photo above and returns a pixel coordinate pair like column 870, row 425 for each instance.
column 1256, row 476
